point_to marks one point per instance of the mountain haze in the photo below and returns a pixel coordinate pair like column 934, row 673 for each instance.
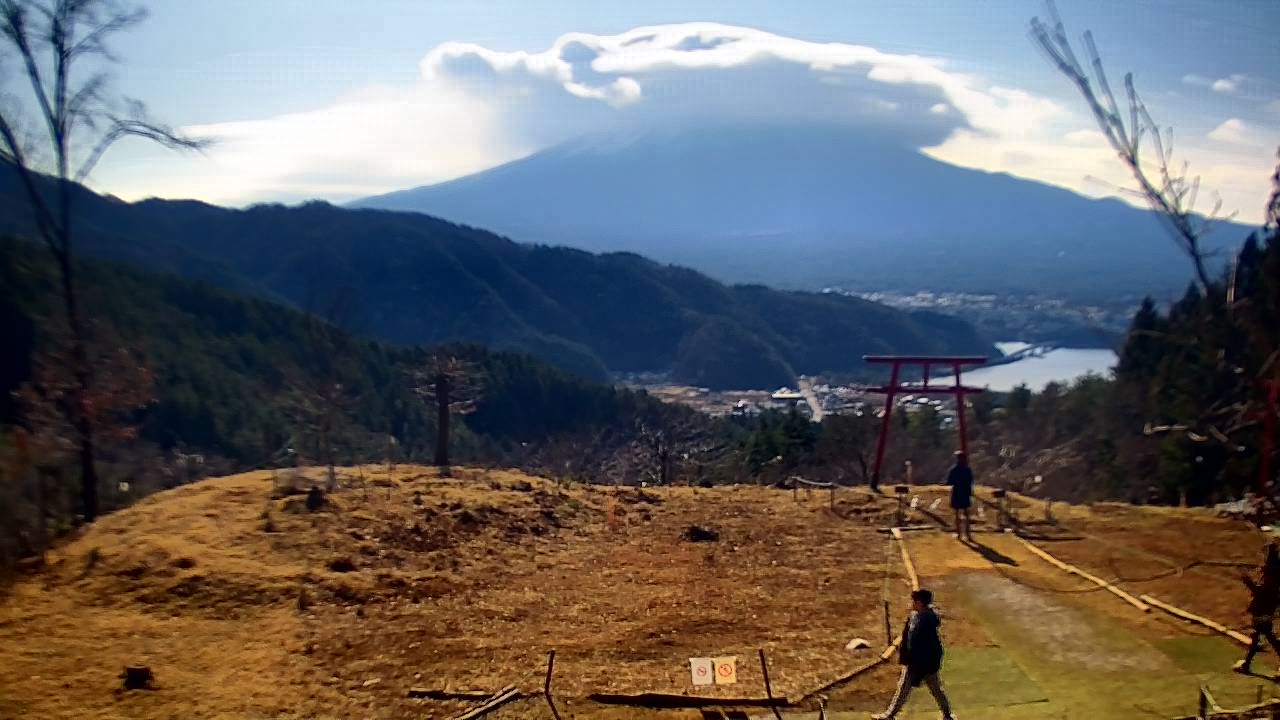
column 811, row 206
column 412, row 279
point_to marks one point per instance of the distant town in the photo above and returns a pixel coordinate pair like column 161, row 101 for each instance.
column 1028, row 318
column 814, row 398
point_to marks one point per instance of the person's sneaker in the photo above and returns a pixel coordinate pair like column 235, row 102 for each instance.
column 1241, row 667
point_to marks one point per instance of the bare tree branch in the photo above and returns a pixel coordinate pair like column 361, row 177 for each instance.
column 1171, row 194
column 135, row 127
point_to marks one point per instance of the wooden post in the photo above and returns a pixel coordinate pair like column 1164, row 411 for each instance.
column 768, row 689
column 1208, row 698
column 1002, row 507
column 546, row 686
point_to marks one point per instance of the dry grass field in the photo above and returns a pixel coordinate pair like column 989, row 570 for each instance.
column 244, row 604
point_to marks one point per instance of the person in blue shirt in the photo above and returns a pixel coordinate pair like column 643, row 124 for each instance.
column 960, row 478
column 920, row 654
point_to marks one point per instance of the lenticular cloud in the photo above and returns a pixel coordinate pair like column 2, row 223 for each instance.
column 711, row 72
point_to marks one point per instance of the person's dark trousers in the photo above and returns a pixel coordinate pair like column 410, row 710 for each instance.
column 1261, row 629
column 907, row 682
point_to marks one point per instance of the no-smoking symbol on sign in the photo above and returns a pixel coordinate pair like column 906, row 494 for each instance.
column 720, row 671
column 702, row 670
column 726, row 670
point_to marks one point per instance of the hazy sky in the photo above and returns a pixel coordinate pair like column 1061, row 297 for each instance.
column 329, row 99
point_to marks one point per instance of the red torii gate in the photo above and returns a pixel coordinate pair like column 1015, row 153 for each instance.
column 955, row 362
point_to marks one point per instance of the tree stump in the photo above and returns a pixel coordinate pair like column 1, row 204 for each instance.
column 315, row 499
column 137, row 677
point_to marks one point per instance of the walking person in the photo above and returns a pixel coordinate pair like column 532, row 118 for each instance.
column 960, row 478
column 1264, row 597
column 920, row 654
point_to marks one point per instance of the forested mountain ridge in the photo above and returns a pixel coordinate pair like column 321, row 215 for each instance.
column 413, row 279
column 225, row 369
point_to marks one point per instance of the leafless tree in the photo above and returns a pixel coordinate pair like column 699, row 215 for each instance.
column 451, row 385
column 666, row 446
column 318, row 402
column 70, row 119
column 660, row 446
column 1252, row 368
column 571, row 456
column 847, row 444
column 1166, row 187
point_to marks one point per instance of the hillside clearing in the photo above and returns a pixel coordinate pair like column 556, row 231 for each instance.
column 247, row 605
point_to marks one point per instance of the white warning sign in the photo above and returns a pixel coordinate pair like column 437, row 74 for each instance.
column 703, row 671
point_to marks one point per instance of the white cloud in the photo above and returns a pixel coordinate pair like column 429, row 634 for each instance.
column 1091, row 136
column 368, row 142
column 1234, row 131
column 1229, row 85
column 473, row 108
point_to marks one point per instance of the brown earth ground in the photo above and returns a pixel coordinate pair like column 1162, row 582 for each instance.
column 244, row 604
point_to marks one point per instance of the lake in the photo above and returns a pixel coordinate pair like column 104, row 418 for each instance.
column 1062, row 365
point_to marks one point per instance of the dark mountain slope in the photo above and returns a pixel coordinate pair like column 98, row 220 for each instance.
column 223, row 367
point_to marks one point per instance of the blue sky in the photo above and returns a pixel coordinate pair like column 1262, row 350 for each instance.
column 301, row 94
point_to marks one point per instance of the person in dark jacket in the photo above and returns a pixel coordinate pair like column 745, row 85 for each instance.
column 1264, row 597
column 920, row 654
column 960, row 478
